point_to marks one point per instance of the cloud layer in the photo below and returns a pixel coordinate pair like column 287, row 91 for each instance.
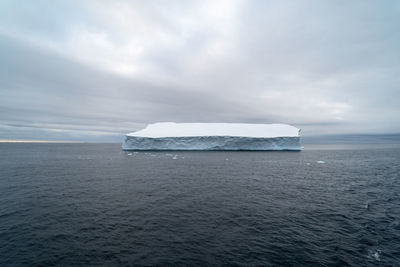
column 81, row 70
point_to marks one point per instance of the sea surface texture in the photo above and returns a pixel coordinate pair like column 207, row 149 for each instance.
column 94, row 204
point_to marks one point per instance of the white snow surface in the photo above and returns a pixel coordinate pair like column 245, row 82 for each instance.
column 172, row 129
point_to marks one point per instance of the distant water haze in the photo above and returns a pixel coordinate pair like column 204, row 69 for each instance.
column 319, row 139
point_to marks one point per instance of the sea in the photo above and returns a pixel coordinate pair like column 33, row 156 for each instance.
column 96, row 205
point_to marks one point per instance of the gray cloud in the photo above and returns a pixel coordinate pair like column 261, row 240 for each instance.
column 96, row 70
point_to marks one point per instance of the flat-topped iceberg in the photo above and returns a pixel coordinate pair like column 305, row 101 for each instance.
column 214, row 136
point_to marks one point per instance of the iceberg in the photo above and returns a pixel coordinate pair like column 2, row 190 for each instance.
column 214, row 136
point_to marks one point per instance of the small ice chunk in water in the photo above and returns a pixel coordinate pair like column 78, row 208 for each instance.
column 129, row 154
column 175, row 157
column 376, row 255
column 308, row 163
column 320, row 161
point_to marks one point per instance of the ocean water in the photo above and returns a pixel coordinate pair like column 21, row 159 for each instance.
column 93, row 204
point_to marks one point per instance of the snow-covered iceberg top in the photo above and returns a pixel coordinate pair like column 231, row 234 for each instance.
column 172, row 129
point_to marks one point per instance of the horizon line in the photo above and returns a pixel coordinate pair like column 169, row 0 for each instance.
column 37, row 141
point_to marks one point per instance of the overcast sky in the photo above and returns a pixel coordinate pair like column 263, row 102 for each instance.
column 95, row 70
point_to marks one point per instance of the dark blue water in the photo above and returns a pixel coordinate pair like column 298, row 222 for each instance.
column 93, row 204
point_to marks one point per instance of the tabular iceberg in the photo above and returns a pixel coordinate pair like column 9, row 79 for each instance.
column 214, row 136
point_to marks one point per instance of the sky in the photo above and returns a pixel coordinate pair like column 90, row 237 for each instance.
column 96, row 70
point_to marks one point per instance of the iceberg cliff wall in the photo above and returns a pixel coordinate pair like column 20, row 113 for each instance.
column 214, row 136
column 212, row 143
